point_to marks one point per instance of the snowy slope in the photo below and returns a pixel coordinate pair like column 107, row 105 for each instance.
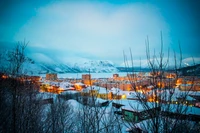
column 95, row 66
column 38, row 67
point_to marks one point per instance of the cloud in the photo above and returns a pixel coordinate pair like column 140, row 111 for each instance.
column 191, row 61
column 42, row 58
column 99, row 30
column 135, row 63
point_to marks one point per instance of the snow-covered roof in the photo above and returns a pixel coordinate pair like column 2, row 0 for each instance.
column 80, row 84
column 172, row 94
column 46, row 83
column 150, row 86
column 132, row 105
column 186, row 85
column 70, row 92
column 196, row 93
column 181, row 109
column 65, row 83
column 116, row 91
column 135, row 95
column 101, row 90
column 85, row 90
column 65, row 86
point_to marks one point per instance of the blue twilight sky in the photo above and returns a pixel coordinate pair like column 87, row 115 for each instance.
column 74, row 30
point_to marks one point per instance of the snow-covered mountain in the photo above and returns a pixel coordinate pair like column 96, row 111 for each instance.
column 36, row 67
column 95, row 66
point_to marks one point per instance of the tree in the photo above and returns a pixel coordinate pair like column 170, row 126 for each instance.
column 92, row 117
column 163, row 112
column 20, row 111
column 60, row 117
column 16, row 58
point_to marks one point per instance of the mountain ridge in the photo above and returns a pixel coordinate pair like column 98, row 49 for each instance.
column 99, row 66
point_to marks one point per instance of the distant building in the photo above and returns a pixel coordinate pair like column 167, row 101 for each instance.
column 115, row 75
column 170, row 75
column 125, row 86
column 35, row 78
column 51, row 76
column 86, row 79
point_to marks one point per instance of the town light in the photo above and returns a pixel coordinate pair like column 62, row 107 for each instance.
column 4, row 76
column 123, row 96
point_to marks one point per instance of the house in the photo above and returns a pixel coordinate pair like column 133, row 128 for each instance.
column 51, row 76
column 133, row 111
column 69, row 94
column 86, row 79
column 65, row 86
column 103, row 93
column 90, row 91
column 93, row 101
column 97, row 91
column 181, row 112
column 115, row 76
column 117, row 93
column 135, row 95
column 79, row 86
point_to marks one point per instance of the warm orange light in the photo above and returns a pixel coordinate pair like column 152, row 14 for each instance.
column 123, row 96
column 78, row 87
column 4, row 76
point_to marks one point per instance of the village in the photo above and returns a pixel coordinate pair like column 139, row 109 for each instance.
column 120, row 87
column 126, row 92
